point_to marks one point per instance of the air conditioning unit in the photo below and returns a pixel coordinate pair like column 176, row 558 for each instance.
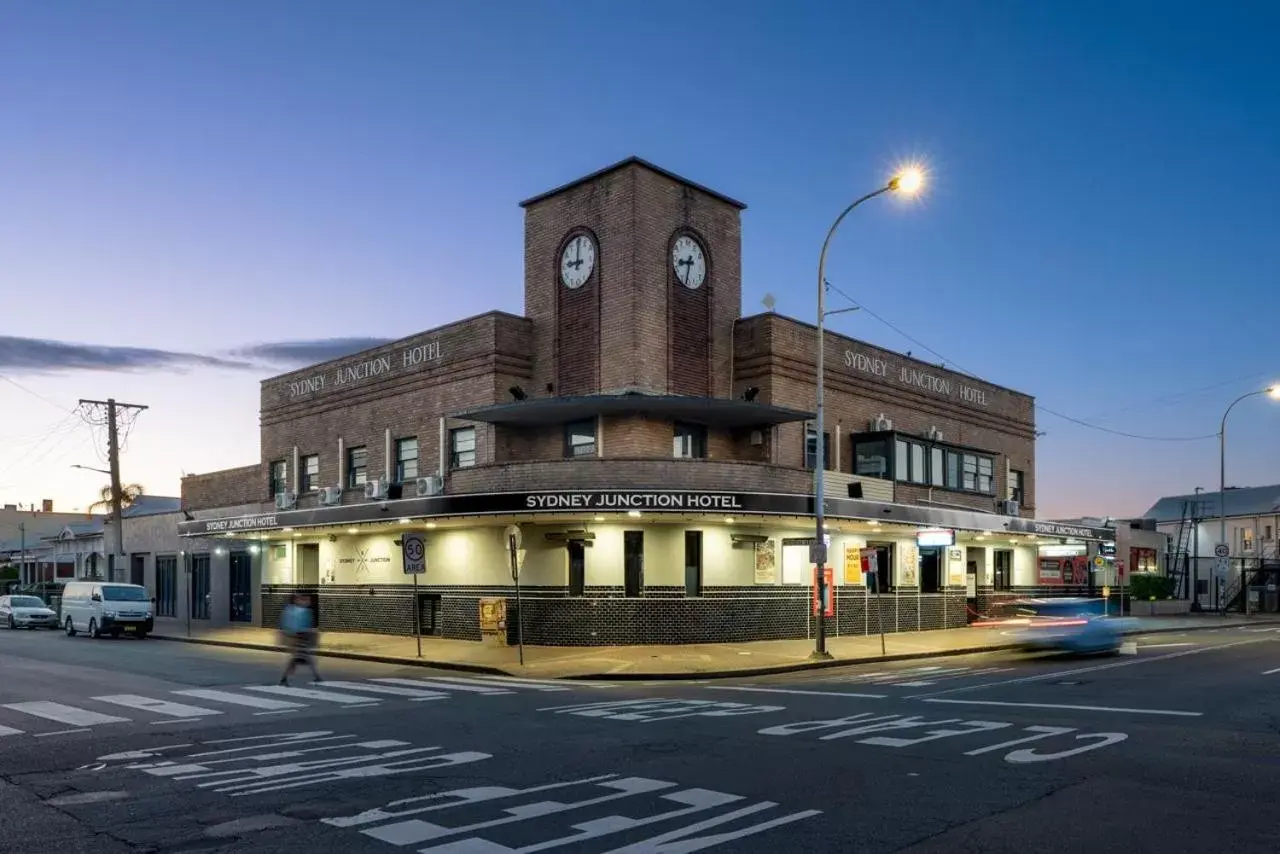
column 375, row 490
column 286, row 500
column 757, row 438
column 934, row 434
column 1008, row 508
column 430, row 485
column 331, row 495
column 880, row 424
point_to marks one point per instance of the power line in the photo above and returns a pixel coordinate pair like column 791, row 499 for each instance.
column 953, row 366
column 20, row 387
column 59, row 431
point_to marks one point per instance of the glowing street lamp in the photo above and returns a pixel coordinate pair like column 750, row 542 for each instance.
column 908, row 181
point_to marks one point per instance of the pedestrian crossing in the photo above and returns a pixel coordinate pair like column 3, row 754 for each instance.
column 35, row 717
column 910, row 677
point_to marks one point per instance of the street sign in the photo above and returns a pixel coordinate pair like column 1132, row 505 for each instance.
column 1222, row 565
column 1099, row 561
column 818, row 553
column 1222, row 550
column 414, row 552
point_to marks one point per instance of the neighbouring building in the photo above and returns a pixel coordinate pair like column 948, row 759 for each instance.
column 24, row 529
column 650, row 449
column 1195, row 525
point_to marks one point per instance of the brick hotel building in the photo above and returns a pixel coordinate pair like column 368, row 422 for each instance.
column 653, row 447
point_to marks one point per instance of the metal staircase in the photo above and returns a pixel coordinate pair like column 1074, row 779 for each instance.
column 1180, row 554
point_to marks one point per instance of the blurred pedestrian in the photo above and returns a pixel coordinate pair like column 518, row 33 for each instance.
column 297, row 624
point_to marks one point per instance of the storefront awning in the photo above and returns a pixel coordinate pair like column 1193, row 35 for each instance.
column 709, row 411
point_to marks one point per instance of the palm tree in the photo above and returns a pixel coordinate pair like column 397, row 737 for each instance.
column 128, row 496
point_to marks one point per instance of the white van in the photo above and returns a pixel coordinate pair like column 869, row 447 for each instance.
column 102, row 608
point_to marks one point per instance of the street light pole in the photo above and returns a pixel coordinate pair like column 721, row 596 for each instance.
column 908, row 181
column 1274, row 391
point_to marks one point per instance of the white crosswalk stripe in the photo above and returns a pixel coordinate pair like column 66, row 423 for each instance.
column 239, row 699
column 160, row 707
column 503, row 681
column 411, row 693
column 4, row 730
column 311, row 694
column 64, row 714
column 447, row 686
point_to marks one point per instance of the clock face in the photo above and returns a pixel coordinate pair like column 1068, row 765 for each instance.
column 577, row 261
column 690, row 262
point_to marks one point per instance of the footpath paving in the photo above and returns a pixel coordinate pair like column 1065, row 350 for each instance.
column 690, row 661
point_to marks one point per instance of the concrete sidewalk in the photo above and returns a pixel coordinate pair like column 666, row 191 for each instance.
column 692, row 661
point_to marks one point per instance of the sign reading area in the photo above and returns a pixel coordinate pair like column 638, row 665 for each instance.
column 355, row 373
column 946, row 386
column 633, row 501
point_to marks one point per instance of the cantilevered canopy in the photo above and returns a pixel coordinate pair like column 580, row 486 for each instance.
column 712, row 412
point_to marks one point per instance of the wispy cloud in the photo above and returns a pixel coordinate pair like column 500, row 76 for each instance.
column 43, row 356
column 307, row 352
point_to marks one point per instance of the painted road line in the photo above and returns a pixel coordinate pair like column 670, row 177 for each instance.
column 1169, row 712
column 1058, row 674
column 65, row 714
column 1269, row 672
column 445, row 686
column 159, row 707
column 310, row 694
column 392, row 690
column 239, row 699
column 62, row 732
column 4, row 730
column 1162, row 645
column 500, row 682
column 795, row 691
column 560, row 684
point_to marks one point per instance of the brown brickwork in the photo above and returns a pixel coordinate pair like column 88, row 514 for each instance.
column 224, row 488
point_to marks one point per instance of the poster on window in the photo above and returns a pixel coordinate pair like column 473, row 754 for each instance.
column 1050, row 570
column 1075, row 571
column 766, row 562
column 852, row 564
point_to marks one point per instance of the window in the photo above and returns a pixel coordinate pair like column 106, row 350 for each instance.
column 977, row 473
column 166, row 586
column 1015, row 486
column 310, row 473
column 1246, row 537
column 357, row 466
column 871, row 458
column 811, row 448
column 937, row 467
column 909, row 462
column 580, row 438
column 690, row 441
column 462, row 447
column 406, row 459
column 1266, row 533
column 279, row 477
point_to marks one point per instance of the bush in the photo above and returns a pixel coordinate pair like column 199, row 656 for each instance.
column 1148, row 585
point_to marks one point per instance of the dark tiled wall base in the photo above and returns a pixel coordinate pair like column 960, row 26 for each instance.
column 605, row 618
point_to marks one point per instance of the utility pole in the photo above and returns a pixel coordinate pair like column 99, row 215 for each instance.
column 113, row 452
column 22, row 561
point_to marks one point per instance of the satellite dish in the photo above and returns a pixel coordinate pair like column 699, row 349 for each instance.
column 768, row 302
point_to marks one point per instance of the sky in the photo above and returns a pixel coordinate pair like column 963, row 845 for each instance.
column 195, row 196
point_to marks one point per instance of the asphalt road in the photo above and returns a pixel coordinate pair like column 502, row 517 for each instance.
column 125, row 745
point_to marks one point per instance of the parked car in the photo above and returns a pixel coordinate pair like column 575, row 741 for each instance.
column 101, row 608
column 26, row 612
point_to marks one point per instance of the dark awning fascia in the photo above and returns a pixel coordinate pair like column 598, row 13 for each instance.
column 710, row 411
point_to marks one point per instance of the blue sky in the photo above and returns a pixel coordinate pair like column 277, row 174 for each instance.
column 199, row 177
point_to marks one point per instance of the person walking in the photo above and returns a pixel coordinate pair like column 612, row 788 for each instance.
column 297, row 623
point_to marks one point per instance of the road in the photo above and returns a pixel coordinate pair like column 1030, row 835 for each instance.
column 125, row 745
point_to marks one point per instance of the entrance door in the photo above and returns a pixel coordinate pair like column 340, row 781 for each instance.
column 882, row 582
column 138, row 570
column 633, row 562
column 198, row 601
column 930, row 569
column 308, row 567
column 241, row 588
column 1003, row 569
column 577, row 567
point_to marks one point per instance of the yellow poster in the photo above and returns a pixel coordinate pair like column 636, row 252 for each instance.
column 852, row 564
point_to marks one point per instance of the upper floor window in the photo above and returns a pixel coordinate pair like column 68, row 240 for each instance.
column 462, row 447
column 406, row 459
column 309, row 469
column 1016, row 489
column 580, row 438
column 871, row 458
column 279, row 478
column 690, row 441
column 811, row 448
column 357, row 466
column 907, row 460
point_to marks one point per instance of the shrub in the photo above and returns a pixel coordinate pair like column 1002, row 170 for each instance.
column 1147, row 585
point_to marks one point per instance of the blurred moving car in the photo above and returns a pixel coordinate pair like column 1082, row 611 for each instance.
column 26, row 612
column 1066, row 624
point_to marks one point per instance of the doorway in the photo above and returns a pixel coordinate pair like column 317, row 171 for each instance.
column 693, row 563
column 882, row 581
column 138, row 570
column 1003, row 579
column 199, row 598
column 930, row 569
column 577, row 567
column 633, row 562
column 308, row 567
column 241, row 588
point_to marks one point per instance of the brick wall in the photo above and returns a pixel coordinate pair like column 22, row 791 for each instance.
column 777, row 354
column 224, row 488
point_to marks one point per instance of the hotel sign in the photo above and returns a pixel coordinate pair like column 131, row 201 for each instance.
column 634, row 501
column 945, row 386
column 259, row 522
column 352, row 374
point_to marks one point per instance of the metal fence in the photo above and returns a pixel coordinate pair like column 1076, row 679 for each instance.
column 1234, row 584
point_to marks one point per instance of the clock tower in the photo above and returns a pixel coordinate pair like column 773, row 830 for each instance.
column 633, row 283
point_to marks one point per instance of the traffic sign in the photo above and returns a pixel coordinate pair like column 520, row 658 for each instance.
column 818, row 553
column 414, row 552
column 1221, row 566
column 1099, row 561
column 1222, row 550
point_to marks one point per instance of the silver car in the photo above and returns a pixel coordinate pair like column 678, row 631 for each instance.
column 26, row 612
